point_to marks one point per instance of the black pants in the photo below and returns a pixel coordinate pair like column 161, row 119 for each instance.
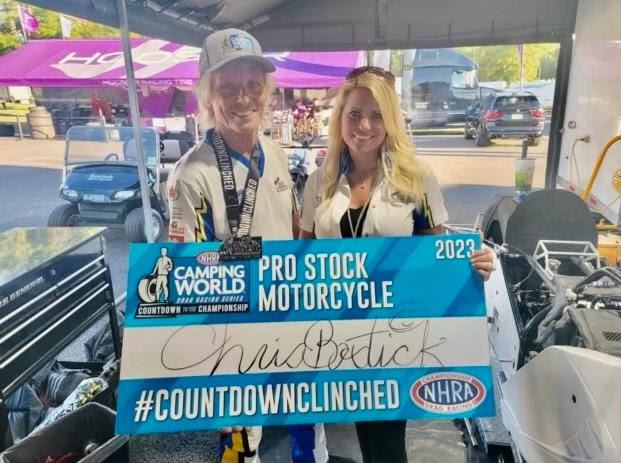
column 382, row 441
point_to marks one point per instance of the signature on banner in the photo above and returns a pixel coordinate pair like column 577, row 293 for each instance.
column 359, row 344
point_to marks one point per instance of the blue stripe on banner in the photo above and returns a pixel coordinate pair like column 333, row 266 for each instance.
column 193, row 403
column 417, row 283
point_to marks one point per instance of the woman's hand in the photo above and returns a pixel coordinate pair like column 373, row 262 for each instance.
column 482, row 260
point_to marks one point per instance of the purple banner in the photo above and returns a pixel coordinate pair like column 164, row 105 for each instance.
column 157, row 63
column 27, row 19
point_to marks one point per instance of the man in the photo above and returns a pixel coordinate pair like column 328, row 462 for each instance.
column 237, row 183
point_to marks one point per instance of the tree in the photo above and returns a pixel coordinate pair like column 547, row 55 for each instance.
column 537, row 54
column 547, row 65
column 396, row 62
column 9, row 34
column 87, row 29
column 49, row 24
column 502, row 62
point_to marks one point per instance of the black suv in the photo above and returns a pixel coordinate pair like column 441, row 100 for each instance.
column 505, row 115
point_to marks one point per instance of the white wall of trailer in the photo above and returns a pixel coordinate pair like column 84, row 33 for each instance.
column 594, row 105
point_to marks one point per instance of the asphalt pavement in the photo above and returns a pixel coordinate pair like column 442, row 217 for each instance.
column 30, row 173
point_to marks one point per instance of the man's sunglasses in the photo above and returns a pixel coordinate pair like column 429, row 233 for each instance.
column 387, row 75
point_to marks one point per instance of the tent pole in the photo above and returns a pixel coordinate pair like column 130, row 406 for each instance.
column 121, row 12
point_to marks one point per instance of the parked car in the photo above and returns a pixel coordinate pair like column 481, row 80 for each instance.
column 505, row 115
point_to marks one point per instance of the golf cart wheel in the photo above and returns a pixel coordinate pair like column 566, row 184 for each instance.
column 467, row 134
column 482, row 138
column 534, row 141
column 65, row 215
column 134, row 225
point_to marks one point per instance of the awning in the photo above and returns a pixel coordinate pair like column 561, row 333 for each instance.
column 158, row 64
column 340, row 24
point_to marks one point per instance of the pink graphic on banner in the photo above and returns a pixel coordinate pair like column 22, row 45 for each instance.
column 157, row 64
column 28, row 20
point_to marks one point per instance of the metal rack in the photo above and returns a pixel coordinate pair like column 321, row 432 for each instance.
column 54, row 284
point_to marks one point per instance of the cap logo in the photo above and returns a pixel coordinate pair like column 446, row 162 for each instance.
column 236, row 42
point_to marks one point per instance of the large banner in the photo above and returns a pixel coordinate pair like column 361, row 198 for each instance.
column 329, row 330
column 158, row 64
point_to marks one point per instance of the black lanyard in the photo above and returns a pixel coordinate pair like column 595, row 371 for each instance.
column 239, row 215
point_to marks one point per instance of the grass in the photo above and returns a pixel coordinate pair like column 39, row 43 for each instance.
column 450, row 129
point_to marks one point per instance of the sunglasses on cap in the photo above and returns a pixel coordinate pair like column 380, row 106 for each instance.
column 387, row 75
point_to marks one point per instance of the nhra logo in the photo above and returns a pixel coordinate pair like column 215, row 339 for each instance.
column 448, row 392
column 208, row 258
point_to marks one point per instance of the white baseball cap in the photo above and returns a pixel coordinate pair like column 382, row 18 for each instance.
column 226, row 45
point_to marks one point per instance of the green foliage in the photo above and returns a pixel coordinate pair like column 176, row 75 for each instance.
column 49, row 24
column 547, row 65
column 9, row 34
column 8, row 43
column 88, row 29
column 396, row 62
column 502, row 62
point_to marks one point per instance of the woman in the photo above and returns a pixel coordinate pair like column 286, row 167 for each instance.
column 372, row 184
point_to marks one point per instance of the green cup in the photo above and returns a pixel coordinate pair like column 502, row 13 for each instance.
column 524, row 170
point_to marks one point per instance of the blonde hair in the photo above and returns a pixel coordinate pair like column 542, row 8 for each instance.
column 398, row 161
column 204, row 94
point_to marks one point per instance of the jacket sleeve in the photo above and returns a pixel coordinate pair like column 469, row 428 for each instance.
column 431, row 212
column 310, row 201
column 191, row 217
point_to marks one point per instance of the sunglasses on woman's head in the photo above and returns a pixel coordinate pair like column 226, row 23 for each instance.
column 387, row 75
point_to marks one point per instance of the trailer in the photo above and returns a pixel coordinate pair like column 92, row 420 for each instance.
column 553, row 303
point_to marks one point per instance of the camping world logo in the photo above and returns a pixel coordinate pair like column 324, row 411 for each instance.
column 448, row 392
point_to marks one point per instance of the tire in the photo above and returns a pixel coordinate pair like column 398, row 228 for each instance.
column 482, row 138
column 134, row 225
column 147, row 289
column 66, row 215
column 534, row 141
column 467, row 134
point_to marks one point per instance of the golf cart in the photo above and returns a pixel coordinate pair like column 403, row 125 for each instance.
column 100, row 181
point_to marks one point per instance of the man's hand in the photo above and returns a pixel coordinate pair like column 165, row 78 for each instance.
column 231, row 429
